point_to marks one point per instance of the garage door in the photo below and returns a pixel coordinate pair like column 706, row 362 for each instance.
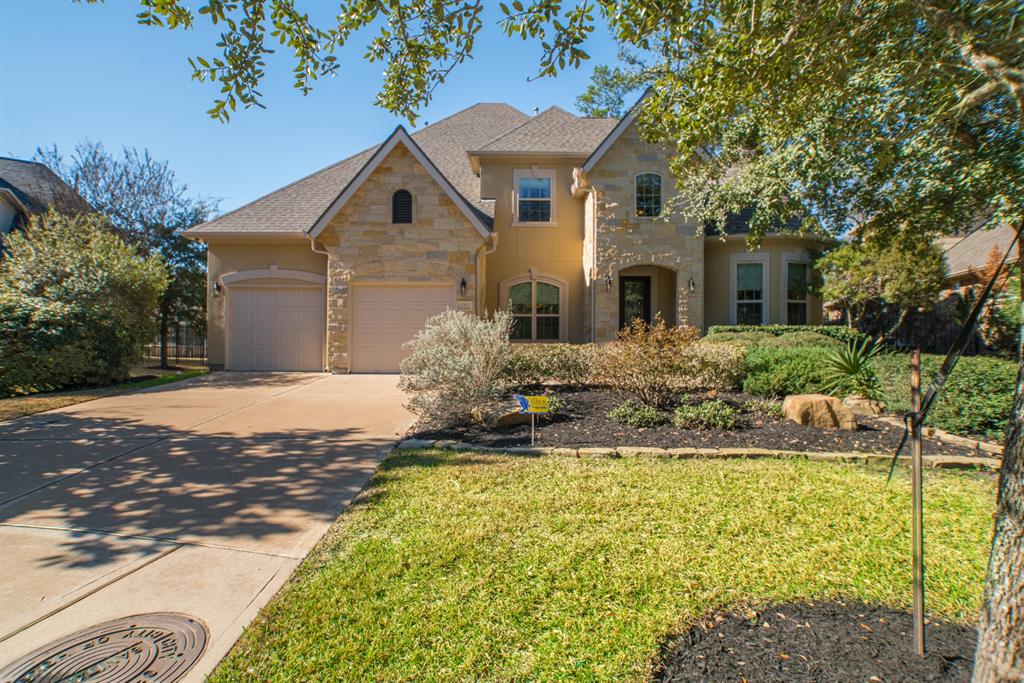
column 276, row 328
column 384, row 318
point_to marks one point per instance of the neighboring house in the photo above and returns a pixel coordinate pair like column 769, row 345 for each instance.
column 967, row 258
column 28, row 188
column 556, row 217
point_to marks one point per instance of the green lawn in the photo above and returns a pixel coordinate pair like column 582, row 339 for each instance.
column 458, row 566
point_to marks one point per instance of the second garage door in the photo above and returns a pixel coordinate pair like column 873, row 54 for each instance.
column 385, row 317
column 276, row 328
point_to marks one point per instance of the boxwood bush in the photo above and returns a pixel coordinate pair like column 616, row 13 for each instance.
column 774, row 371
column 567, row 364
column 840, row 332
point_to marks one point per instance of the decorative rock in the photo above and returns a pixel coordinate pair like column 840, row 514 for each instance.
column 863, row 406
column 499, row 417
column 528, row 450
column 819, row 410
column 565, row 452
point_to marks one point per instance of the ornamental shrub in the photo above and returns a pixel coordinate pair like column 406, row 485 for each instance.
column 745, row 338
column 713, row 414
column 976, row 400
column 566, row 364
column 455, row 364
column 648, row 362
column 766, row 407
column 636, row 415
column 791, row 339
column 77, row 305
column 707, row 365
column 777, row 372
column 840, row 332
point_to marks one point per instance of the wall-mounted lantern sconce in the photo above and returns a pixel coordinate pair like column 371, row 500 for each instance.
column 462, row 287
column 218, row 288
column 692, row 285
column 608, row 282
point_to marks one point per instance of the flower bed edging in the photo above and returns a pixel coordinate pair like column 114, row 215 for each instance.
column 945, row 461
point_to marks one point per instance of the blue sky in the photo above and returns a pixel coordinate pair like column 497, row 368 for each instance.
column 73, row 71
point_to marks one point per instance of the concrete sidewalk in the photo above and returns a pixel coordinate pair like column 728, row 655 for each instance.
column 200, row 497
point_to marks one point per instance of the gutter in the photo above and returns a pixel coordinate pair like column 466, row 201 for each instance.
column 312, row 245
column 483, row 251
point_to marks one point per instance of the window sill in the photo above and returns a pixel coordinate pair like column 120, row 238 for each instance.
column 516, row 224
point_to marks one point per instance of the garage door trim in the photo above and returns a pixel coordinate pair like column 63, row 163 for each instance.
column 233, row 284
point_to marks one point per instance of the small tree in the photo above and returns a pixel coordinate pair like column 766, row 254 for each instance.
column 868, row 281
column 149, row 208
column 77, row 305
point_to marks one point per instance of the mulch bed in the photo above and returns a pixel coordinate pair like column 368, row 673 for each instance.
column 584, row 422
column 816, row 642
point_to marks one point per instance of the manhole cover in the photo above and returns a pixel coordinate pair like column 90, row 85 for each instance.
column 146, row 647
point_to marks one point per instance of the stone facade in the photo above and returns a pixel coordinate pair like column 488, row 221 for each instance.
column 440, row 245
column 621, row 240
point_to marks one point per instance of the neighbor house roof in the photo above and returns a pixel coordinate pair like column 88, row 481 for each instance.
column 296, row 207
column 972, row 252
column 35, row 188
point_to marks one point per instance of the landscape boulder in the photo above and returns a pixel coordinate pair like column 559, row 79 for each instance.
column 863, row 406
column 496, row 417
column 819, row 410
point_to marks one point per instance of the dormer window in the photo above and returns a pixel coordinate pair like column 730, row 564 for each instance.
column 535, row 191
column 401, row 207
column 648, row 195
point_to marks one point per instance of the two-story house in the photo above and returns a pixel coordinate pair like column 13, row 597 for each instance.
column 560, row 219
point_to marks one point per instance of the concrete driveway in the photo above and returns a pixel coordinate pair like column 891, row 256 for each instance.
column 199, row 497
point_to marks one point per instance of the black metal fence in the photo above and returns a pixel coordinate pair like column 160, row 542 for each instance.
column 184, row 347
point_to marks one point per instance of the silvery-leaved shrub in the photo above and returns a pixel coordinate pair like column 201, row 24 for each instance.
column 707, row 365
column 564, row 364
column 455, row 364
column 77, row 305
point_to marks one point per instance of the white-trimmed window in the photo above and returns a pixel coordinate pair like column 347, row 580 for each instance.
column 535, row 196
column 748, row 289
column 798, row 274
column 538, row 306
column 648, row 195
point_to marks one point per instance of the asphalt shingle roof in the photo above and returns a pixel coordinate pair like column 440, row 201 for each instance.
column 554, row 131
column 972, row 252
column 37, row 187
column 295, row 207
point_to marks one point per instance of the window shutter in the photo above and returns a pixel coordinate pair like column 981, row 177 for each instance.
column 401, row 207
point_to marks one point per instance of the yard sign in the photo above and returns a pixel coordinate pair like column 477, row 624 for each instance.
column 533, row 405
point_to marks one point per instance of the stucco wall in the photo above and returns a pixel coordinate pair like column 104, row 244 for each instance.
column 550, row 250
column 623, row 240
column 718, row 273
column 439, row 246
column 227, row 257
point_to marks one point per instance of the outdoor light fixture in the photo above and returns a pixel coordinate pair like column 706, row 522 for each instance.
column 608, row 282
column 691, row 284
column 462, row 287
column 218, row 288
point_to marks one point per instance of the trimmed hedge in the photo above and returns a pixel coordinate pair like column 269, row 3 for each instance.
column 976, row 400
column 839, row 332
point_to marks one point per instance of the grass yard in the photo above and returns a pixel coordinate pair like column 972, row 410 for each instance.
column 19, row 406
column 458, row 566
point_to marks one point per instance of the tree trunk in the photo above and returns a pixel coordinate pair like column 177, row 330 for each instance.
column 1000, row 654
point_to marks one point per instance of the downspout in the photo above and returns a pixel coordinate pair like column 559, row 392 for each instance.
column 486, row 249
column 312, row 245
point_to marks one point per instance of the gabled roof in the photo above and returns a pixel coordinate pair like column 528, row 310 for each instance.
column 36, row 188
column 554, row 131
column 972, row 252
column 399, row 137
column 614, row 134
column 293, row 209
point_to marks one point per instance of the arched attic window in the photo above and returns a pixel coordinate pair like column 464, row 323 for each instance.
column 401, row 207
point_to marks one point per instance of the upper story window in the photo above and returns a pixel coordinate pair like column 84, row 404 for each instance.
column 648, row 195
column 535, row 191
column 401, row 207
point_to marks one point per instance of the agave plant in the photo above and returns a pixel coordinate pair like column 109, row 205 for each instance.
column 850, row 369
